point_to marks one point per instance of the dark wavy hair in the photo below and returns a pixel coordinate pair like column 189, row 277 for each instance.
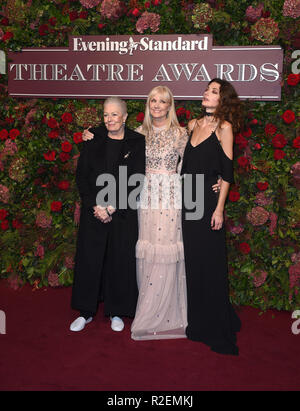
column 230, row 107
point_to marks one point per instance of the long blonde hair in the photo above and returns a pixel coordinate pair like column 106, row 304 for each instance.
column 167, row 95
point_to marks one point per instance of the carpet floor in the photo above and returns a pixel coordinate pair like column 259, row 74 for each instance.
column 38, row 352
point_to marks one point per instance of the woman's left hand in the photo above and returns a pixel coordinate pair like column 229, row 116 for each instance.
column 217, row 220
column 217, row 187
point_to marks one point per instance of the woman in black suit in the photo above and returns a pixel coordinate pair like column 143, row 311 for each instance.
column 105, row 265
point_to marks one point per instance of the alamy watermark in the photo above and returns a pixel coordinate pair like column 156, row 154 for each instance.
column 2, row 322
column 154, row 191
column 296, row 324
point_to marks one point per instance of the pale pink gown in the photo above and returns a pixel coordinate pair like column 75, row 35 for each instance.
column 161, row 310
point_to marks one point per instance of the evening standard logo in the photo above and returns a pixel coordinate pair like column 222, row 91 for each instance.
column 145, row 44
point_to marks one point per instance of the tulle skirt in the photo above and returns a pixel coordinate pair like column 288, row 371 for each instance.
column 162, row 309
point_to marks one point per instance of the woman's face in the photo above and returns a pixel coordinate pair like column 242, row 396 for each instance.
column 158, row 107
column 211, row 96
column 113, row 117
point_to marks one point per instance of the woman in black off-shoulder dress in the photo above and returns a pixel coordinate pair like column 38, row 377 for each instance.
column 211, row 317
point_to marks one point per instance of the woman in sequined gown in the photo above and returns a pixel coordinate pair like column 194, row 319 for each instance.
column 161, row 307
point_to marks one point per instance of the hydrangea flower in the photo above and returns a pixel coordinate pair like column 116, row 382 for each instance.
column 148, row 20
column 265, row 30
column 258, row 216
column 291, row 8
column 89, row 4
column 254, row 13
column 43, row 220
column 202, row 15
column 111, row 9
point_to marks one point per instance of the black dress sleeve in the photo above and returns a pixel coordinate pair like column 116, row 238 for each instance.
column 82, row 172
column 226, row 165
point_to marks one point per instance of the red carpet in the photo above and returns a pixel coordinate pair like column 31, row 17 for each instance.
column 38, row 352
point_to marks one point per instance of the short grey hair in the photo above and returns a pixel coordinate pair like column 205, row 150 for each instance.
column 117, row 100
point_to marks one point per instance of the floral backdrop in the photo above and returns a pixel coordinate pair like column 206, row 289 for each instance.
column 40, row 141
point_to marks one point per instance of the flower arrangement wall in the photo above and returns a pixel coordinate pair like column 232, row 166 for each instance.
column 40, row 141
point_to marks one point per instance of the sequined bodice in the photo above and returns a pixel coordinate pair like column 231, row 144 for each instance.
column 163, row 149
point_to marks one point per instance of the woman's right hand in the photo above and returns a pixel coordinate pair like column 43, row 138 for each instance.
column 101, row 214
column 87, row 135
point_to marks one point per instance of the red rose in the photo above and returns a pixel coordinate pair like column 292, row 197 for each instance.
column 147, row 4
column 244, row 248
column 140, row 117
column 279, row 141
column 4, row 225
column 56, row 206
column 66, row 146
column 67, row 118
column 3, row 214
column 136, row 12
column 50, row 155
column 187, row 114
column 63, row 185
column 262, row 186
column 293, row 79
column 53, row 134
column 296, row 142
column 279, row 154
column 247, row 133
column 241, row 141
column 270, row 129
column 73, row 15
column 234, row 196
column 17, row 223
column 64, row 157
column 288, row 116
column 257, row 146
column 243, row 161
column 101, row 26
column 4, row 21
column 156, row 2
column 14, row 133
column 83, row 14
column 52, row 123
column 52, row 21
column 180, row 111
column 3, row 134
column 77, row 138
column 44, row 30
column 7, row 36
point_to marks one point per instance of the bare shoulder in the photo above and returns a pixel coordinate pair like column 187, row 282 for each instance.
column 191, row 124
column 225, row 126
column 225, row 132
column 225, row 136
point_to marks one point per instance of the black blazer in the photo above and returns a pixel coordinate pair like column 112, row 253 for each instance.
column 92, row 163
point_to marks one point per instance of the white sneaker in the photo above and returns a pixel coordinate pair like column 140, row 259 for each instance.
column 80, row 323
column 117, row 323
